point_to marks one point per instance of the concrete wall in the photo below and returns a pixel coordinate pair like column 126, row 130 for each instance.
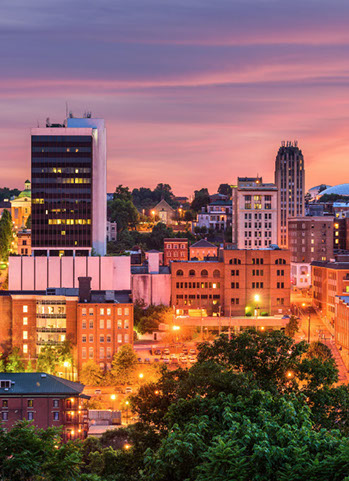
column 152, row 288
column 39, row 273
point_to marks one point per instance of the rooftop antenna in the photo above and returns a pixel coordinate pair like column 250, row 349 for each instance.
column 66, row 109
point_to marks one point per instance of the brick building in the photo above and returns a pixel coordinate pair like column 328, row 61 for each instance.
column 342, row 326
column 244, row 282
column 202, row 249
column 24, row 242
column 310, row 239
column 46, row 400
column 330, row 279
column 341, row 232
column 96, row 324
column 175, row 250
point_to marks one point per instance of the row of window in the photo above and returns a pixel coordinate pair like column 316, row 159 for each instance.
column 120, row 324
column 198, row 285
column 103, row 311
column 202, row 296
column 103, row 353
column 204, row 273
column 257, row 216
column 102, row 338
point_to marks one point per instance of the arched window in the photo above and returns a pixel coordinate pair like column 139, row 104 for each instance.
column 235, row 261
column 280, row 261
column 204, row 273
column 179, row 272
column 191, row 273
column 216, row 273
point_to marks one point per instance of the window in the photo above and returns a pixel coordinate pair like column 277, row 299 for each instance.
column 235, row 285
column 4, row 416
column 235, row 301
column 119, row 311
column 25, row 348
column 235, row 272
column 119, row 338
column 280, row 261
column 25, row 321
column 108, row 352
column 5, row 384
column 25, row 334
column 55, row 415
column 127, row 311
column 84, row 323
column 30, row 403
column 108, row 311
column 83, row 311
column 84, row 338
column 216, row 273
column 91, row 324
column 127, row 338
column 119, row 324
column 25, row 308
column 101, row 323
column 90, row 311
column 101, row 338
column 5, row 403
column 84, row 353
column 90, row 352
column 101, row 353
column 191, row 273
column 280, row 285
column 90, row 338
column 179, row 272
column 235, row 261
column 108, row 323
column 204, row 273
column 101, row 311
column 55, row 403
column 108, row 338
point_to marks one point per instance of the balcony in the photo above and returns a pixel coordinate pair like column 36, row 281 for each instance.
column 51, row 329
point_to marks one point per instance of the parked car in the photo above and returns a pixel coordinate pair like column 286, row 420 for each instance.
column 183, row 359
column 128, row 390
column 192, row 352
column 156, row 359
column 147, row 360
column 166, row 351
column 173, row 356
column 98, row 391
column 185, row 350
column 157, row 352
column 174, row 360
column 140, row 360
column 166, row 360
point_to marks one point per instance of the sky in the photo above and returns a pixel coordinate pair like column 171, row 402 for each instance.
column 194, row 92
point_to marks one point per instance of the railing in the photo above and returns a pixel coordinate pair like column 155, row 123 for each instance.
column 51, row 329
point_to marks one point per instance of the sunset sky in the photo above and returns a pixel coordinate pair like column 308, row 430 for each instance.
column 194, row 92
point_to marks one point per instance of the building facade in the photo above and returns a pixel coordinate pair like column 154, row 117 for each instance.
column 254, row 214
column 69, row 188
column 175, row 250
column 45, row 400
column 310, row 239
column 330, row 279
column 290, row 182
column 24, row 242
column 202, row 249
column 244, row 282
column 112, row 230
column 216, row 216
column 21, row 207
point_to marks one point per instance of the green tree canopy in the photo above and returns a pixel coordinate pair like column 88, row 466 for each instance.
column 225, row 189
column 201, row 199
column 124, row 365
column 91, row 374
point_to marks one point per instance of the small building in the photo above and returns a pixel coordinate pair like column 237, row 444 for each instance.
column 112, row 230
column 21, row 207
column 175, row 250
column 24, row 242
column 216, row 216
column 165, row 212
column 46, row 400
column 202, row 249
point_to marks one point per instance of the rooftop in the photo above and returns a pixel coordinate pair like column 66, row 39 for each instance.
column 203, row 243
column 39, row 383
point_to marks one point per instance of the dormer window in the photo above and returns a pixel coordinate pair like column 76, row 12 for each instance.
column 5, row 384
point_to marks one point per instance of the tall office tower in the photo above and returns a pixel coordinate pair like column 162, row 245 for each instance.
column 290, row 181
column 69, row 188
column 254, row 223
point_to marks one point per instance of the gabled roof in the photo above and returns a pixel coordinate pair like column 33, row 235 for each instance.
column 203, row 243
column 39, row 383
column 163, row 205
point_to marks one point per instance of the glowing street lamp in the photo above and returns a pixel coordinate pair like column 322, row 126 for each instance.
column 141, row 375
column 113, row 398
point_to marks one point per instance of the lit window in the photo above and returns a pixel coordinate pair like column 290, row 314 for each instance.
column 119, row 311
column 90, row 353
column 101, row 323
column 119, row 324
column 25, row 308
column 101, row 311
column 108, row 311
column 25, row 334
column 127, row 311
column 25, row 321
column 25, row 348
column 119, row 337
column 108, row 338
column 30, row 416
column 84, row 353
column 108, row 323
column 56, row 416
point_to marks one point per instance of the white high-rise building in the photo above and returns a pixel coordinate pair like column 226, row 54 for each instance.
column 69, row 188
column 254, row 214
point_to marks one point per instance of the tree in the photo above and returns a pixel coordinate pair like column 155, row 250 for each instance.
column 28, row 223
column 6, row 235
column 124, row 365
column 53, row 356
column 292, row 327
column 159, row 233
column 14, row 361
column 189, row 216
column 91, row 373
column 201, row 199
column 6, row 193
column 225, row 189
column 124, row 213
column 29, row 454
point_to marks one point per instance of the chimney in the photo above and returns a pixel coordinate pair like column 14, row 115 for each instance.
column 84, row 289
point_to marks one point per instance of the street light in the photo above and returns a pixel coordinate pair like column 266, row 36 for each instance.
column 113, row 398
column 66, row 364
column 141, row 375
column 257, row 298
column 127, row 403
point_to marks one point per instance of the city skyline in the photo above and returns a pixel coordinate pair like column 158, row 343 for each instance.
column 183, row 89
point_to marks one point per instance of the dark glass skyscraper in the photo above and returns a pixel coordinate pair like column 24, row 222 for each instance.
column 68, row 199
